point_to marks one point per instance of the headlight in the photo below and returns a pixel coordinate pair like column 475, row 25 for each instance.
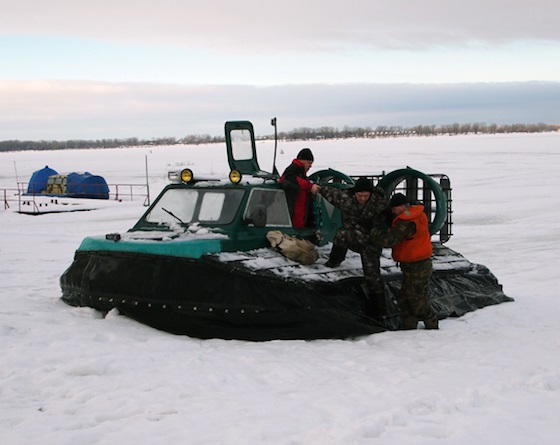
column 235, row 176
column 186, row 175
column 173, row 176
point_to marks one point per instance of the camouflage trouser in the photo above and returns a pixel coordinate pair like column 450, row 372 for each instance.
column 361, row 243
column 413, row 296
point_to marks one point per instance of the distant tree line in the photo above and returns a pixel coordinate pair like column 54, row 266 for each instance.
column 418, row 130
column 302, row 133
column 17, row 145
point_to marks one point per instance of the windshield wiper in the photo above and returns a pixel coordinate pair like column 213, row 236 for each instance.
column 173, row 215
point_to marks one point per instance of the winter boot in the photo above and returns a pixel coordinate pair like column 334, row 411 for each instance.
column 377, row 307
column 337, row 256
column 431, row 323
column 379, row 301
column 409, row 323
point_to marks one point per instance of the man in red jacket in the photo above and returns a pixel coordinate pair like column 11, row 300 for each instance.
column 297, row 187
column 409, row 237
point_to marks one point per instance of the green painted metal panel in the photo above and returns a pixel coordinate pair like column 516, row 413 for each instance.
column 174, row 248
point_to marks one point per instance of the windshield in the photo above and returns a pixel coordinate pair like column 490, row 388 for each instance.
column 186, row 206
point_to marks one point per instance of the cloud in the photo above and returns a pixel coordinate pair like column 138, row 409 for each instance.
column 56, row 110
column 290, row 25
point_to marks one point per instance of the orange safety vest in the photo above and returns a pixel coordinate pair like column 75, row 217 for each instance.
column 418, row 246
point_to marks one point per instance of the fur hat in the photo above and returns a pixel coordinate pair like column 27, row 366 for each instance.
column 398, row 199
column 363, row 184
column 305, row 155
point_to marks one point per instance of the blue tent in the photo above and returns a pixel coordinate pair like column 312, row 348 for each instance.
column 38, row 181
column 75, row 185
column 86, row 185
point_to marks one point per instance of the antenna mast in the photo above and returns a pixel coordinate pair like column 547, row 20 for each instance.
column 273, row 123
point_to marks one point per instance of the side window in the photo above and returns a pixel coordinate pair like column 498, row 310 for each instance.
column 241, row 144
column 268, row 208
column 211, row 207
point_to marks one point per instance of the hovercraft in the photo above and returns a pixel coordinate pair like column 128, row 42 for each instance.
column 198, row 261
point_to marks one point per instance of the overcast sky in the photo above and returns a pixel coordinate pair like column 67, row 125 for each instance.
column 125, row 68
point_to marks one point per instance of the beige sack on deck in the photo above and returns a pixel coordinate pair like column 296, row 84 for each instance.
column 300, row 250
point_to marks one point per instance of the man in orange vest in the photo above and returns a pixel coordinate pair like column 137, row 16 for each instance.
column 409, row 237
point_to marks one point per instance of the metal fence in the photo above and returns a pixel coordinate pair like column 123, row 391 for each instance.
column 118, row 192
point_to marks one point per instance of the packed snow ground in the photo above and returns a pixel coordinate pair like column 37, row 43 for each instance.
column 69, row 376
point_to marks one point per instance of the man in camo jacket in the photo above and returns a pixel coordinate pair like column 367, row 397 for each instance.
column 362, row 208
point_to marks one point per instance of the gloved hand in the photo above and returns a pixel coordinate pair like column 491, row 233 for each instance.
column 376, row 235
